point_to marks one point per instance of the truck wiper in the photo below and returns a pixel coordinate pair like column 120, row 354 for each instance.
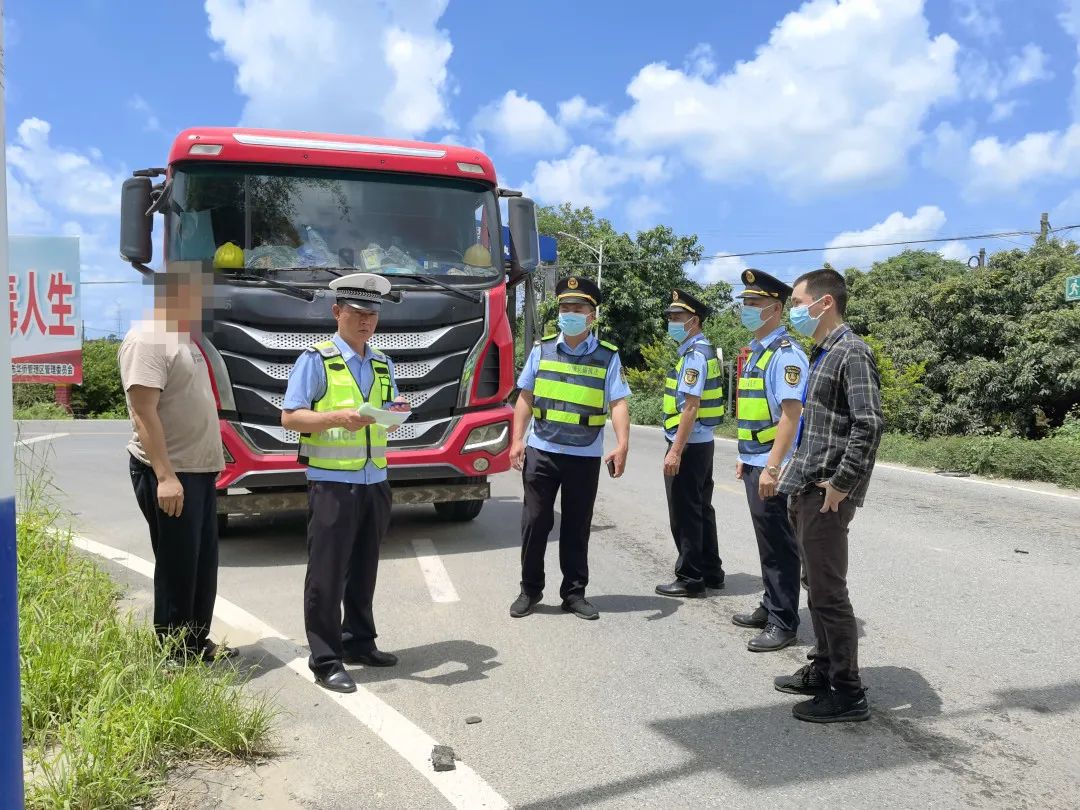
column 287, row 288
column 474, row 298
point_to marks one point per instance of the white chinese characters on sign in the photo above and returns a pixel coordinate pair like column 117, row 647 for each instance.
column 43, row 309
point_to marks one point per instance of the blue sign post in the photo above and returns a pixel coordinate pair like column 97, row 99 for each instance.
column 11, row 761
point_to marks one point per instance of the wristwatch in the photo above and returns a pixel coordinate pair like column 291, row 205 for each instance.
column 773, row 470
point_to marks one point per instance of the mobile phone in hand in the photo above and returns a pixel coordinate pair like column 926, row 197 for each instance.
column 611, row 467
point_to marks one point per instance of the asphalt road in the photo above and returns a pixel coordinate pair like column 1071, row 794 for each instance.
column 970, row 649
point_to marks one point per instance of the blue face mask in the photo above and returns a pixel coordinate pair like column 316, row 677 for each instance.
column 572, row 324
column 801, row 320
column 751, row 317
column 677, row 331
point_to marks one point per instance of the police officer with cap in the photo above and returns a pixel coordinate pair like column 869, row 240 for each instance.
column 770, row 397
column 570, row 384
column 693, row 406
column 348, row 494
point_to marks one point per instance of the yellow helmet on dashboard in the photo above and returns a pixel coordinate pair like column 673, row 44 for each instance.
column 477, row 256
column 229, row 257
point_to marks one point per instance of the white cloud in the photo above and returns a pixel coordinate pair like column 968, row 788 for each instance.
column 1002, row 110
column 577, row 112
column 798, row 113
column 723, row 268
column 1070, row 21
column 519, row 125
column 997, row 166
column 643, row 210
column 957, row 250
column 990, row 82
column 70, row 181
column 980, row 17
column 925, row 223
column 360, row 66
column 25, row 212
column 142, row 106
column 587, row 177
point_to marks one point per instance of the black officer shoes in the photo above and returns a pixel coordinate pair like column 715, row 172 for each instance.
column 336, row 679
column 770, row 639
column 681, row 587
column 371, row 658
column 524, row 605
column 758, row 617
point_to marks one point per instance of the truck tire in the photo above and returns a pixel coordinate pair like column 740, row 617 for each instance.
column 458, row 511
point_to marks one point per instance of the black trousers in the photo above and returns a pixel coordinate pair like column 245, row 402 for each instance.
column 346, row 526
column 543, row 475
column 823, row 539
column 693, row 519
column 185, row 554
column 779, row 553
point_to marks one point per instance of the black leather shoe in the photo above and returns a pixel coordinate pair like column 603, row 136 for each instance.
column 524, row 604
column 758, row 617
column 812, row 653
column 681, row 587
column 770, row 639
column 832, row 707
column 715, row 583
column 336, row 679
column 808, row 680
column 371, row 658
column 581, row 607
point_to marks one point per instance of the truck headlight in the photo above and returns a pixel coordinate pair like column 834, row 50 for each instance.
column 489, row 438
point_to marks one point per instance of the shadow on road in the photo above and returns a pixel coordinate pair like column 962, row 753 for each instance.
column 445, row 663
column 658, row 607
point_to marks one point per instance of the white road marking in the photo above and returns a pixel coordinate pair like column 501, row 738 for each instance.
column 45, row 437
column 438, row 580
column 940, row 550
column 462, row 787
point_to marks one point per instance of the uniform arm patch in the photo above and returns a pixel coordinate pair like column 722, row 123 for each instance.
column 690, row 376
column 792, row 375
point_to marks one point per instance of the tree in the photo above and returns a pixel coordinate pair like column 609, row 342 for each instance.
column 101, row 391
column 639, row 274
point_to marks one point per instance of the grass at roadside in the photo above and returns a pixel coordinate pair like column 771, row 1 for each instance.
column 1055, row 461
column 103, row 717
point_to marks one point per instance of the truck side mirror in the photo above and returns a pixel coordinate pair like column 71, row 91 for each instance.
column 524, row 236
column 136, row 224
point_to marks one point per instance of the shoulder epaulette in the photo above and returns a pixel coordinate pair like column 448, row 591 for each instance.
column 608, row 345
column 785, row 343
column 378, row 355
column 328, row 349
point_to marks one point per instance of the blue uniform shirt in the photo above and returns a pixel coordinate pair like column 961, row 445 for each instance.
column 695, row 361
column 307, row 383
column 615, row 388
column 777, row 388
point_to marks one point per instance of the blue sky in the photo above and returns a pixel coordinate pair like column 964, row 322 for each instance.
column 754, row 125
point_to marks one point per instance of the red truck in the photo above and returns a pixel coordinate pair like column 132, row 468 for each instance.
column 291, row 211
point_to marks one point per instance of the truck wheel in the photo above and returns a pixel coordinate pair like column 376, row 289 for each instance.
column 458, row 511
column 222, row 524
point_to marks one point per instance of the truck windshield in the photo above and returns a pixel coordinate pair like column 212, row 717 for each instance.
column 286, row 219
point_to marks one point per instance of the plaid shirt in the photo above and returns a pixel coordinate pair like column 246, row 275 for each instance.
column 842, row 420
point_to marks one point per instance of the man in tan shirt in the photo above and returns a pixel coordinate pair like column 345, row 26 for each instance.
column 176, row 456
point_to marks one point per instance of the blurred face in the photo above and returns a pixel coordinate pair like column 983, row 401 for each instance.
column 356, row 326
column 181, row 298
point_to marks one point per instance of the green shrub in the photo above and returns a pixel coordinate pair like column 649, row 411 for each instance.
column 101, row 390
column 646, row 409
column 42, row 410
column 1055, row 460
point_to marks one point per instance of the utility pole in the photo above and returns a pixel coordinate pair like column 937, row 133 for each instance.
column 11, row 759
column 1044, row 227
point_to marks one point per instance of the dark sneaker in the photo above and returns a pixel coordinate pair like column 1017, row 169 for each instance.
column 581, row 607
column 758, row 617
column 771, row 639
column 833, row 707
column 524, row 605
column 807, row 681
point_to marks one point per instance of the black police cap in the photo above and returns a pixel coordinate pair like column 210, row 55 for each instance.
column 760, row 284
column 576, row 288
column 682, row 301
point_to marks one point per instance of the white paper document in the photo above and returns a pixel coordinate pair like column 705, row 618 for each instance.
column 382, row 416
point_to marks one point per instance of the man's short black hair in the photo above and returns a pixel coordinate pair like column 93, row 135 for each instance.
column 826, row 282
